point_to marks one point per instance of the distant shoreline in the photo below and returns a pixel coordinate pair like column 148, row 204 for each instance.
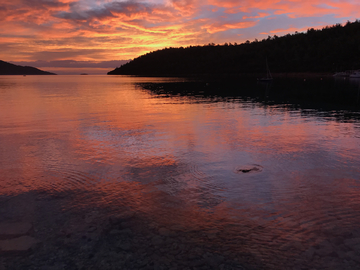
column 303, row 74
column 219, row 76
column 27, row 74
column 11, row 69
column 242, row 75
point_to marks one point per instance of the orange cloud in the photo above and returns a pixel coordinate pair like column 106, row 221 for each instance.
column 219, row 27
column 286, row 31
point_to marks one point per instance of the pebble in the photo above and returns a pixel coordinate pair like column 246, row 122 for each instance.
column 325, row 249
column 18, row 245
column 165, row 232
column 14, row 229
column 309, row 253
column 121, row 217
column 157, row 240
column 127, row 241
column 352, row 242
column 337, row 240
column 115, row 231
column 126, row 231
column 214, row 260
column 177, row 228
column 124, row 246
column 125, row 224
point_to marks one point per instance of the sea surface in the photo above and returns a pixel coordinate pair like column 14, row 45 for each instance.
column 272, row 170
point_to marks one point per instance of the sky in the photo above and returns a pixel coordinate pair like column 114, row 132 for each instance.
column 95, row 36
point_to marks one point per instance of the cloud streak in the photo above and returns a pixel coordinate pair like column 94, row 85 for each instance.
column 102, row 30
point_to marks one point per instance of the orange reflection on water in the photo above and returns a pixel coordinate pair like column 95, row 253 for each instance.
column 112, row 144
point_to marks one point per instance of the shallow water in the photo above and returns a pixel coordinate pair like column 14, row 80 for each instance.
column 282, row 177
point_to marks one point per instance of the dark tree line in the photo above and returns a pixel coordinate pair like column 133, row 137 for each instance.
column 333, row 48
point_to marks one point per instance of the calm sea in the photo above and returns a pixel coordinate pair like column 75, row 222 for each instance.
column 275, row 167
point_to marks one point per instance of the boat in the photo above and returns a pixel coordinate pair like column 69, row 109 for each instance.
column 343, row 74
column 355, row 74
column 268, row 77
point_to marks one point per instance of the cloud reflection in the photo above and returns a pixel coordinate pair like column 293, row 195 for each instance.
column 172, row 161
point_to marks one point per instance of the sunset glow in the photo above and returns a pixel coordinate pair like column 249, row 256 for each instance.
column 65, row 35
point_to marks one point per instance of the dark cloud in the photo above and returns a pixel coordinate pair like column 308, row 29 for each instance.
column 97, row 13
column 30, row 11
column 183, row 3
column 44, row 3
column 127, row 8
column 71, row 16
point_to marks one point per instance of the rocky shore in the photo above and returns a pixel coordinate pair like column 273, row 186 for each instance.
column 35, row 234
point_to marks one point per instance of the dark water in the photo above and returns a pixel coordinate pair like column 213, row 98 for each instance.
column 272, row 170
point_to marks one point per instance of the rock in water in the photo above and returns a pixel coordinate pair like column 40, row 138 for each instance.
column 252, row 168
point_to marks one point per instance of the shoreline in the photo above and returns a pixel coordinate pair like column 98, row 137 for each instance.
column 42, row 236
column 235, row 75
column 49, row 237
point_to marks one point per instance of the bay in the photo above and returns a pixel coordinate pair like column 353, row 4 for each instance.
column 266, row 175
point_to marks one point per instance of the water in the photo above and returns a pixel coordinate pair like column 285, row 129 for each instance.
column 273, row 169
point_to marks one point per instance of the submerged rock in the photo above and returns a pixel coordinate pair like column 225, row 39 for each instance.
column 165, row 232
column 14, row 229
column 18, row 245
column 252, row 168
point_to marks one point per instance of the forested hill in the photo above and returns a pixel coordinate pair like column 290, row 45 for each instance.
column 334, row 48
column 11, row 69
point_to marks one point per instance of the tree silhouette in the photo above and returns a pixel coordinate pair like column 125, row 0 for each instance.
column 328, row 50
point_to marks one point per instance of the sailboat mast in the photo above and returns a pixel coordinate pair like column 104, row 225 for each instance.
column 268, row 77
column 268, row 73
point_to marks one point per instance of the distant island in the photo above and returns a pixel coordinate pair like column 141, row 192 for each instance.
column 11, row 69
column 331, row 49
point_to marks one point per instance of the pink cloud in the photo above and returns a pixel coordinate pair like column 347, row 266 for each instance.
column 292, row 29
column 258, row 16
column 295, row 8
column 219, row 27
